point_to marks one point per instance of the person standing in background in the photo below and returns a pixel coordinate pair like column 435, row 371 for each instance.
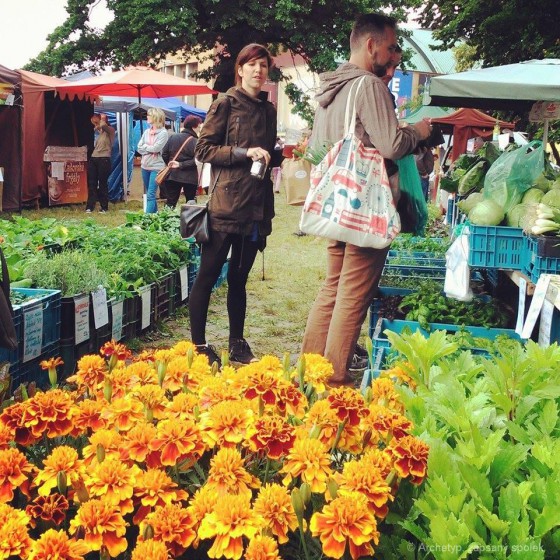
column 150, row 147
column 99, row 165
column 424, row 158
column 184, row 172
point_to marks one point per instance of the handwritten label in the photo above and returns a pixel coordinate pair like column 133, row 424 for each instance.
column 545, row 325
column 536, row 305
column 184, row 279
column 146, row 297
column 81, row 318
column 32, row 333
column 521, row 305
column 117, row 312
column 100, row 308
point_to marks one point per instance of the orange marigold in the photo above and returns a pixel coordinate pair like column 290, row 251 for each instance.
column 262, row 548
column 410, row 456
column 261, row 384
column 150, row 550
column 385, row 394
column 318, row 370
column 182, row 406
column 102, row 525
column 49, row 413
column 135, row 444
column 227, row 474
column 142, row 373
column 290, row 400
column 90, row 372
column 274, row 506
column 7, row 434
column 231, row 519
column 183, row 347
column 226, row 423
column 15, row 471
column 57, row 545
column 12, row 417
column 63, row 459
column 349, row 405
column 115, row 349
column 48, row 508
column 123, row 413
column 153, row 398
column 109, row 440
column 177, row 441
column 386, row 422
column 401, row 372
column 216, row 390
column 346, row 521
column 14, row 538
column 86, row 417
column 271, row 435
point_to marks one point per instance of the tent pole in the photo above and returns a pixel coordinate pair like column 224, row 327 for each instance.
column 545, row 134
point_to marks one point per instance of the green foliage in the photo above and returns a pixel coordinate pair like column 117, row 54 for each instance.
column 301, row 102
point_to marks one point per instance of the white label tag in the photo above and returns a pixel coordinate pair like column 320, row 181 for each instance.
column 100, row 309
column 521, row 305
column 32, row 333
column 545, row 324
column 81, row 318
column 117, row 312
column 184, row 277
column 536, row 305
column 146, row 296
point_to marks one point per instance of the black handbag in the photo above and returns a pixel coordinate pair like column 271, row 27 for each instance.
column 195, row 222
column 8, row 338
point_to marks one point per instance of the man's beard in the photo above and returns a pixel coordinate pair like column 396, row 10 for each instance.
column 380, row 70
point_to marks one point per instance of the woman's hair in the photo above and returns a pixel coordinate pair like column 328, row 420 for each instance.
column 250, row 52
column 191, row 121
column 157, row 116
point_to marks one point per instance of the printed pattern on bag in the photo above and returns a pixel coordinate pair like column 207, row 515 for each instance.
column 350, row 198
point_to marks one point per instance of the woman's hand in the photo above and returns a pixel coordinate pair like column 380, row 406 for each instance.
column 173, row 164
column 258, row 153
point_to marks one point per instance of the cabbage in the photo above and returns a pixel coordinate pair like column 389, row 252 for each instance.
column 486, row 213
column 556, row 184
column 469, row 203
column 552, row 198
column 542, row 183
column 532, row 195
column 523, row 215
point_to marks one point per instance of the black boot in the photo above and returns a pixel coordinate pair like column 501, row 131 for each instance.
column 240, row 351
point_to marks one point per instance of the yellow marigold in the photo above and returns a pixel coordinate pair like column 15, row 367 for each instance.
column 14, row 538
column 109, row 440
column 145, row 356
column 135, row 444
column 122, row 382
column 49, row 413
column 401, row 372
column 63, row 459
column 183, row 347
column 364, row 477
column 274, row 506
column 182, row 406
column 410, row 456
column 155, row 488
column 142, row 373
column 15, row 471
column 102, row 525
column 385, row 394
column 86, row 417
column 262, row 548
column 153, row 398
column 349, row 405
column 177, row 374
column 47, row 508
column 57, row 545
column 114, row 482
column 230, row 521
column 173, row 525
column 290, row 400
column 215, row 390
column 318, row 370
column 346, row 521
column 163, row 355
column 150, row 550
column 379, row 459
column 202, row 503
column 7, row 434
column 123, row 413
column 310, row 460
column 90, row 372
column 271, row 435
column 226, row 423
column 227, row 474
column 261, row 384
column 177, row 441
column 386, row 422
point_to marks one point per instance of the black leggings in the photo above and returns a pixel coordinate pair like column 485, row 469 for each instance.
column 213, row 256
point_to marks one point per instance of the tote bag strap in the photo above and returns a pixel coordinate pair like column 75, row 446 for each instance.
column 350, row 114
column 211, row 189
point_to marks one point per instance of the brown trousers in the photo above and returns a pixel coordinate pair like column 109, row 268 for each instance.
column 338, row 313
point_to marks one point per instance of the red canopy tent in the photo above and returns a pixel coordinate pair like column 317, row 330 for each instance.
column 468, row 123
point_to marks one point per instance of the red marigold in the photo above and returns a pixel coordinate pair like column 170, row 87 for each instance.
column 349, row 404
column 271, row 435
column 410, row 456
column 48, row 508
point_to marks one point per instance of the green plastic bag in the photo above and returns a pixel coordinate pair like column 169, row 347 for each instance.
column 513, row 173
column 412, row 207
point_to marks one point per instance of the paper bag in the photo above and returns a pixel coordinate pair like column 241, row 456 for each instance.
column 295, row 178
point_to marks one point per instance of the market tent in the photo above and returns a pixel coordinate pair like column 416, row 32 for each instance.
column 468, row 123
column 509, row 87
column 427, row 112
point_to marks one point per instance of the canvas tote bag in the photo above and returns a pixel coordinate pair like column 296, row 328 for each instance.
column 350, row 198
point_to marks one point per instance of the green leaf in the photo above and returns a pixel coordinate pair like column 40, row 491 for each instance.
column 497, row 526
column 506, row 461
column 478, row 485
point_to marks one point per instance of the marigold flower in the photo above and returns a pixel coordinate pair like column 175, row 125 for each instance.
column 155, row 488
column 379, row 459
column 410, row 456
column 103, row 526
column 57, row 545
column 63, row 459
column 260, row 384
column 290, row 400
column 145, row 356
column 364, row 477
column 349, row 405
column 150, row 550
column 177, row 441
column 318, row 371
column 51, row 364
column 401, row 372
column 114, row 482
column 225, row 424
column 274, row 506
column 142, row 373
column 135, row 444
column 12, row 417
column 49, row 413
column 86, row 416
column 215, row 390
column 227, row 474
column 109, row 440
column 183, row 347
column 230, row 521
column 387, row 422
column 173, row 525
column 7, row 434
column 271, row 436
column 262, row 548
column 14, row 538
column 346, row 521
column 15, row 471
column 308, row 459
column 123, row 413
column 90, row 372
column 182, row 406
column 115, row 349
column 153, row 398
column 202, row 502
column 48, row 508
column 385, row 394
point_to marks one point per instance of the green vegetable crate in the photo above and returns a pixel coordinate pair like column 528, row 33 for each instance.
column 496, row 247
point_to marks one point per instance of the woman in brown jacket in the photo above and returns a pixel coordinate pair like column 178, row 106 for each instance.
column 240, row 128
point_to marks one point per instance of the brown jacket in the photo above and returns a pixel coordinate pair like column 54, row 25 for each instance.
column 238, row 200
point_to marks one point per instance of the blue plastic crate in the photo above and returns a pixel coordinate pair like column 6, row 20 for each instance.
column 31, row 370
column 13, row 356
column 376, row 304
column 542, row 256
column 496, row 247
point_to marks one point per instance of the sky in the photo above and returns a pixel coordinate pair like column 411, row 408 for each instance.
column 27, row 23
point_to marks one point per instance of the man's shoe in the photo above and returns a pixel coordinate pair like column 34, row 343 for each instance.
column 358, row 363
column 360, row 351
column 89, row 210
column 209, row 351
column 102, row 211
column 240, row 351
